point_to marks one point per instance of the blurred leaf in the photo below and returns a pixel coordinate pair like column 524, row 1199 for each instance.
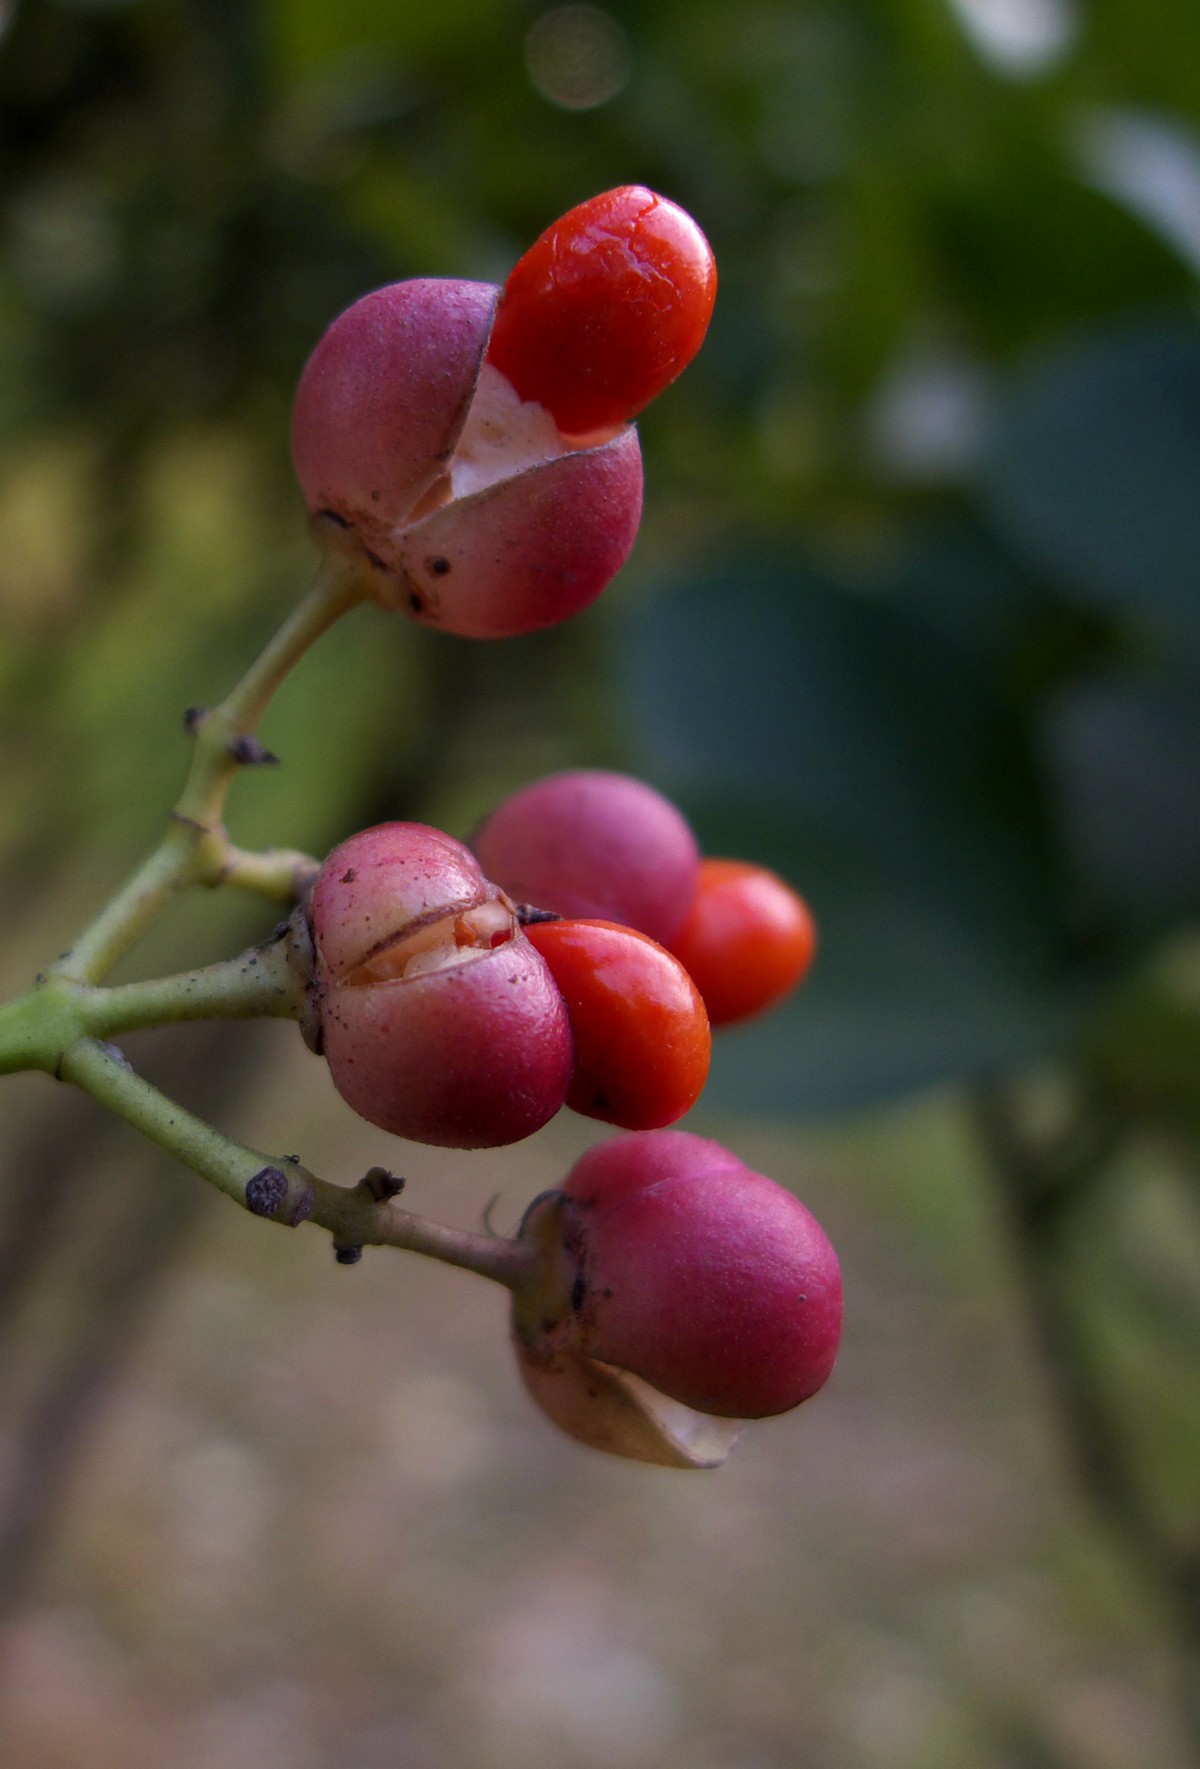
column 841, row 741
column 1145, row 1051
column 309, row 33
column 1095, row 469
column 1124, row 754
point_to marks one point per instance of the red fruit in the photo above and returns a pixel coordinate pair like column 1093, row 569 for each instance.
column 746, row 941
column 669, row 1259
column 463, row 508
column 642, row 1043
column 439, row 1021
column 594, row 844
column 605, row 309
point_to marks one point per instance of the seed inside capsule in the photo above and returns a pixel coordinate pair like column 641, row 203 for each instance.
column 435, row 945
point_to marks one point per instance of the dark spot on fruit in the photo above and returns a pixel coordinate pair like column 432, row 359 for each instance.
column 578, row 1294
column 439, row 567
column 416, row 602
column 349, row 876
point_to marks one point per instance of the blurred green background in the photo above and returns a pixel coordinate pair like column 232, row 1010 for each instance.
column 914, row 617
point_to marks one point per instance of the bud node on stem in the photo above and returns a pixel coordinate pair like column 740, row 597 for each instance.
column 267, row 1194
column 381, row 1185
column 250, row 753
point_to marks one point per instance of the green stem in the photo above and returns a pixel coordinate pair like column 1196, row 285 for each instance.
column 36, row 1028
column 283, row 875
column 279, row 1187
column 101, row 1071
column 195, row 848
column 181, row 859
column 269, row 981
column 260, row 984
column 335, row 590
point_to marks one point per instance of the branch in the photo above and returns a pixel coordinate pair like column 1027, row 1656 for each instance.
column 196, row 848
column 279, row 1187
column 1040, row 1183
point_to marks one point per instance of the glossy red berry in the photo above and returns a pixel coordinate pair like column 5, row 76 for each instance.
column 746, row 941
column 439, row 1021
column 594, row 844
column 667, row 1258
column 462, row 507
column 605, row 309
column 642, row 1043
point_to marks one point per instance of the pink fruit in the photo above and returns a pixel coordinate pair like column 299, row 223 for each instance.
column 668, row 1259
column 596, row 845
column 439, row 1021
column 463, row 505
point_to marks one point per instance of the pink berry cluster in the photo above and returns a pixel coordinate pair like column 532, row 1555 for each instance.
column 674, row 1287
column 469, row 451
column 465, row 994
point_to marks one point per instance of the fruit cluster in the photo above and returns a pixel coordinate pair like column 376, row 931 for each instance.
column 577, row 956
column 464, row 997
column 467, row 457
column 471, row 450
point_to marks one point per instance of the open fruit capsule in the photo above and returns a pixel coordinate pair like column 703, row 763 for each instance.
column 438, row 1019
column 463, row 506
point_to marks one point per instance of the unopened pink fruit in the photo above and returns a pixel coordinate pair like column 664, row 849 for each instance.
column 680, row 1265
column 594, row 844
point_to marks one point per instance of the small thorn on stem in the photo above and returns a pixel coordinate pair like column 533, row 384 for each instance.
column 381, row 1185
column 251, row 753
column 528, row 914
column 346, row 1254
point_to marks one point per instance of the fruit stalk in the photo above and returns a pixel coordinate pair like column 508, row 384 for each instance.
column 279, row 1187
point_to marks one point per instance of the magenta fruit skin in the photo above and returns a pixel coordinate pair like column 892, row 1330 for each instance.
column 525, row 552
column 594, row 845
column 474, row 1052
column 383, row 398
column 709, row 1281
column 380, row 407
